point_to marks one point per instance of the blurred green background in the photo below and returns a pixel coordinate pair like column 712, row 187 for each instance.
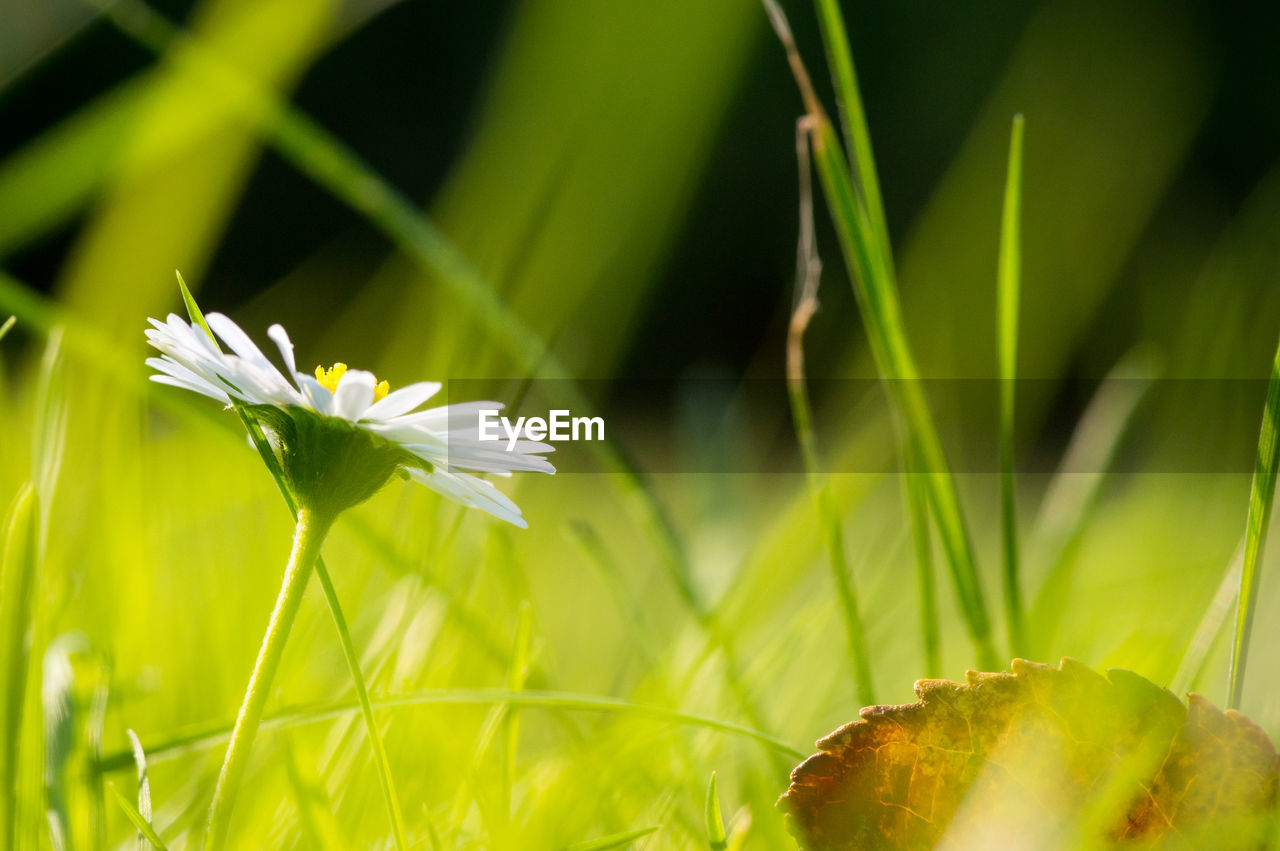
column 455, row 190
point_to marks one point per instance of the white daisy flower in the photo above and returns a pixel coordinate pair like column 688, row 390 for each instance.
column 341, row 433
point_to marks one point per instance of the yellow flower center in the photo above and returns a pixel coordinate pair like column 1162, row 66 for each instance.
column 330, row 377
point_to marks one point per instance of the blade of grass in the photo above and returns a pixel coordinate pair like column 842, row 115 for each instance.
column 550, row 700
column 144, row 786
column 853, row 119
column 8, row 326
column 1074, row 489
column 17, row 590
column 94, row 730
column 716, row 839
column 1191, row 668
column 58, row 704
column 917, row 499
column 875, row 290
column 808, row 275
column 617, row 840
column 1009, row 282
column 866, row 179
column 319, row 825
column 517, row 675
column 495, row 726
column 1261, row 494
column 383, row 765
column 143, row 826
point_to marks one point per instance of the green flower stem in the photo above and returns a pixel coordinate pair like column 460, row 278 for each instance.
column 259, row 439
column 307, row 539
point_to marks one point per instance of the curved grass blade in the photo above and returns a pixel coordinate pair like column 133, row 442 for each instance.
column 917, row 499
column 8, row 326
column 1075, row 486
column 716, row 838
column 1209, row 629
column 871, row 276
column 144, row 827
column 1009, row 275
column 500, row 723
column 517, row 675
column 1261, row 495
column 144, row 786
column 386, row 780
column 59, row 709
column 317, row 820
column 550, row 700
column 808, row 274
column 853, row 119
column 49, row 430
column 18, row 570
column 615, row 841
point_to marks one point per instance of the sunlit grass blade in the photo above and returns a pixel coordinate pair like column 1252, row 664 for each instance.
column 549, row 700
column 1009, row 282
column 8, row 326
column 871, row 275
column 808, row 274
column 144, row 786
column 59, row 702
column 853, row 119
column 131, row 812
column 1261, row 495
column 497, row 726
column 1192, row 666
column 517, row 676
column 49, row 429
column 1074, row 489
column 716, row 838
column 917, row 499
column 617, row 840
column 17, row 591
column 316, row 812
column 95, row 729
column 381, row 762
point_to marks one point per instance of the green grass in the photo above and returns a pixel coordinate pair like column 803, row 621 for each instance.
column 653, row 647
column 1009, row 282
column 868, row 260
column 1261, row 495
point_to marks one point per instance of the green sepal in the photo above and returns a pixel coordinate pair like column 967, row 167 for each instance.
column 330, row 464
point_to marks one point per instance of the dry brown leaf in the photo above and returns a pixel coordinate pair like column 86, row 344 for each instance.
column 1044, row 757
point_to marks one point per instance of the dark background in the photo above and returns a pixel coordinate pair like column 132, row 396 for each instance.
column 401, row 92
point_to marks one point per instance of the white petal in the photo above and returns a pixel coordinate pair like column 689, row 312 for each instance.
column 403, row 400
column 489, row 457
column 203, row 388
column 315, row 394
column 472, row 492
column 238, row 341
column 281, row 338
column 354, row 394
column 439, row 420
column 169, row 366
